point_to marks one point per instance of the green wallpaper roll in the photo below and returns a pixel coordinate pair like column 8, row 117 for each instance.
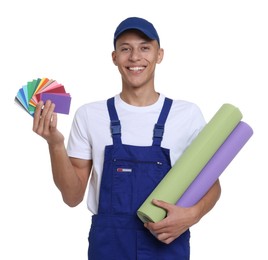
column 191, row 162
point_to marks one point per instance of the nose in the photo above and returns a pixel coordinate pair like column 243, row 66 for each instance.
column 135, row 55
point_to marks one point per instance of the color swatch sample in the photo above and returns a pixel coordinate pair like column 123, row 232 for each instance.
column 43, row 89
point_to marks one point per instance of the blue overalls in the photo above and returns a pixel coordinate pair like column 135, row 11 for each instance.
column 130, row 173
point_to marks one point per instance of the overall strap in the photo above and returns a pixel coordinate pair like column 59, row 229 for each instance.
column 115, row 122
column 160, row 125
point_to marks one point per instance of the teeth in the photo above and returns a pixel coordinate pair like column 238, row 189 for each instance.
column 136, row 68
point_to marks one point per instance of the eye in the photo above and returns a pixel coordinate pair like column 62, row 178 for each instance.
column 145, row 48
column 125, row 49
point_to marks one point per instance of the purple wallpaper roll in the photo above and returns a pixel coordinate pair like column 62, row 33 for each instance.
column 216, row 165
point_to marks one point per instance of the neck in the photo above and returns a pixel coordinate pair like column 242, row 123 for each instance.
column 139, row 98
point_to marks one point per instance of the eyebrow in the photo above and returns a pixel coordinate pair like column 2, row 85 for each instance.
column 141, row 43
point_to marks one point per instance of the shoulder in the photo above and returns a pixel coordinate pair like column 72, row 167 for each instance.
column 184, row 122
column 185, row 117
column 89, row 110
column 186, row 109
column 185, row 105
column 92, row 106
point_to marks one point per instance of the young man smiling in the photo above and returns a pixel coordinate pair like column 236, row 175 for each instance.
column 136, row 57
column 121, row 148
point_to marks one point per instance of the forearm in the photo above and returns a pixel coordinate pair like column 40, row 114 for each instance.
column 179, row 219
column 69, row 179
column 64, row 175
column 208, row 201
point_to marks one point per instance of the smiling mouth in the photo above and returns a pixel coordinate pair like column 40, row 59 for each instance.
column 136, row 68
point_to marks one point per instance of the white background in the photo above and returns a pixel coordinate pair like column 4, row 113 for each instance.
column 215, row 52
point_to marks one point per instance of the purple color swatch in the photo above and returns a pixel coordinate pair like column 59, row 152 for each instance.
column 62, row 101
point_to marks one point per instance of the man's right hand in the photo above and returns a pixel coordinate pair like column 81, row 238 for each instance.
column 45, row 123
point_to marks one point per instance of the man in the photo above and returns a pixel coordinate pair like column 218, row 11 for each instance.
column 125, row 146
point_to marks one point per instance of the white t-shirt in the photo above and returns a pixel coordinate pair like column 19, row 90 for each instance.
column 90, row 133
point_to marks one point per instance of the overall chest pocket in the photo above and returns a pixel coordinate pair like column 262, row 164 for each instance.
column 133, row 181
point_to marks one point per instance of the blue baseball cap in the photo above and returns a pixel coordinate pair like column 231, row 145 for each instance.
column 139, row 24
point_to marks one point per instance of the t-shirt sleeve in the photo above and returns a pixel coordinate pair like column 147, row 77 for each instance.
column 79, row 143
column 197, row 124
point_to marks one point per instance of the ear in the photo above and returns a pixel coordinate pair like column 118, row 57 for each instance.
column 114, row 58
column 160, row 55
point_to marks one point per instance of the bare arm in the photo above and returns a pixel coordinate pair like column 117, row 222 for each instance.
column 70, row 175
column 179, row 219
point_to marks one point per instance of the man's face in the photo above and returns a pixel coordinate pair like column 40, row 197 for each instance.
column 136, row 57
